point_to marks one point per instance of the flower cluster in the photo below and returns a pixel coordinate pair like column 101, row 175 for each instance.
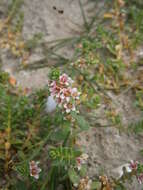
column 34, row 169
column 81, row 160
column 134, row 165
column 65, row 95
column 140, row 178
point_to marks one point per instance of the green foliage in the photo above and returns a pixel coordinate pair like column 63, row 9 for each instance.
column 23, row 170
column 120, row 187
column 140, row 168
column 3, row 77
column 64, row 155
column 54, row 74
column 27, row 129
column 19, row 23
column 139, row 99
column 96, row 185
column 60, row 134
column 73, row 176
column 134, row 20
column 136, row 127
column 83, row 124
column 14, row 8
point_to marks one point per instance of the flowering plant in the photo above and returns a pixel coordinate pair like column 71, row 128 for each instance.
column 137, row 168
column 34, row 169
column 64, row 93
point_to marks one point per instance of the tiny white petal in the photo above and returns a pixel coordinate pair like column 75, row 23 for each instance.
column 67, row 99
column 75, row 184
column 36, row 176
column 73, row 109
column 39, row 170
column 68, row 110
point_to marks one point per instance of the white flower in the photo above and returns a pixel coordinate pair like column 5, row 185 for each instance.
column 67, row 99
column 73, row 108
column 62, row 96
column 75, row 185
column 34, row 169
column 75, row 94
column 84, row 156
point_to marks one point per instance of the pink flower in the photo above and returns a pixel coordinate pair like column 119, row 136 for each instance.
column 34, row 169
column 64, row 79
column 133, row 165
column 64, row 93
column 75, row 94
column 140, row 178
column 54, row 89
column 69, row 107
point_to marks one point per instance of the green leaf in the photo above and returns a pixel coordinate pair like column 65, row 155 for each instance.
column 20, row 185
column 23, row 169
column 73, row 176
column 2, row 156
column 96, row 185
column 21, row 155
column 16, row 142
column 83, row 171
column 120, row 187
column 64, row 154
column 60, row 134
column 83, row 124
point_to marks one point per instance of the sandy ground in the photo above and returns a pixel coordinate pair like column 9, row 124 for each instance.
column 45, row 17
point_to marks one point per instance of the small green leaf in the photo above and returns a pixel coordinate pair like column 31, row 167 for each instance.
column 2, row 156
column 83, row 124
column 96, row 185
column 20, row 185
column 73, row 176
column 60, row 134
column 120, row 187
column 16, row 142
column 83, row 171
column 23, row 169
column 21, row 155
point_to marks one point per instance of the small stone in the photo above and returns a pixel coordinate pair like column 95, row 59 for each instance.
column 50, row 104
